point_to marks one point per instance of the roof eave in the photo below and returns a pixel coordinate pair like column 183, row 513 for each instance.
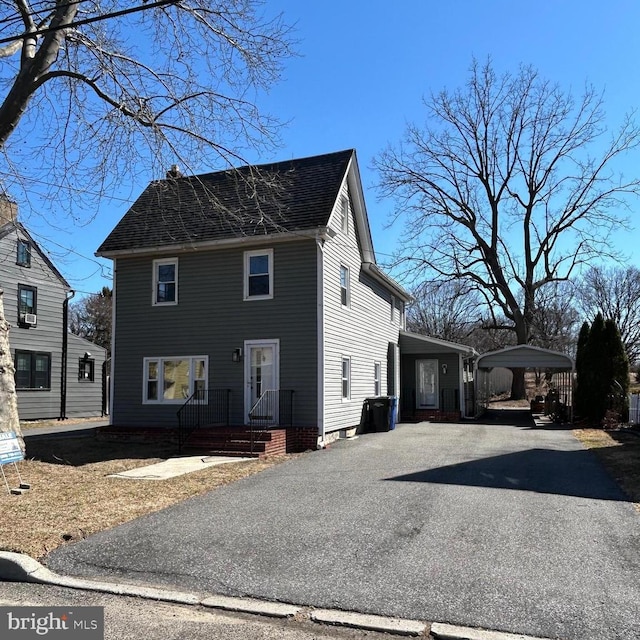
column 377, row 273
column 460, row 348
column 285, row 236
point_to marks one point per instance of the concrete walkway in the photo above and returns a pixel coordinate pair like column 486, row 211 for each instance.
column 176, row 467
column 500, row 526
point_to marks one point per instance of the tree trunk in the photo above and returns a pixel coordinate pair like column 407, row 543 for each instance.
column 9, row 420
column 518, row 388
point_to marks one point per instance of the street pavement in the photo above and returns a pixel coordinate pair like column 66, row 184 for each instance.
column 501, row 526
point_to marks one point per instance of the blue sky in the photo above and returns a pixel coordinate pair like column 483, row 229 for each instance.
column 364, row 69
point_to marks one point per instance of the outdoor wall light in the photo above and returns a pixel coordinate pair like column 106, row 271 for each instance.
column 236, row 356
column 444, row 369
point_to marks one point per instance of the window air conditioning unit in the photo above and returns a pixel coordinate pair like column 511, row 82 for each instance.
column 30, row 318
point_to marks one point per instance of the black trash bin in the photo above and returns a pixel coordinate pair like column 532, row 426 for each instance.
column 380, row 413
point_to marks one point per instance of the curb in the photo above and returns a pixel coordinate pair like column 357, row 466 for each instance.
column 17, row 567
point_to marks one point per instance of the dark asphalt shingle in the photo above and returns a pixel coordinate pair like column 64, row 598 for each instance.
column 293, row 195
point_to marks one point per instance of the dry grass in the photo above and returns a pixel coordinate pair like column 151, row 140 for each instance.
column 71, row 496
column 619, row 452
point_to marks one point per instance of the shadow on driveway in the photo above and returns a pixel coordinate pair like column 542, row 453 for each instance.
column 539, row 470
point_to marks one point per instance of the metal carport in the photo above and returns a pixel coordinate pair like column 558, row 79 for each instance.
column 526, row 357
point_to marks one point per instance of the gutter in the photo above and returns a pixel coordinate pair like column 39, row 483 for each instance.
column 377, row 273
column 286, row 236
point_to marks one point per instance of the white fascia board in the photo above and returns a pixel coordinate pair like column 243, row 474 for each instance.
column 354, row 183
column 461, row 348
column 271, row 238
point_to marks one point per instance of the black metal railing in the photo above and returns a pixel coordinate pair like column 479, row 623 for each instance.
column 205, row 408
column 274, row 408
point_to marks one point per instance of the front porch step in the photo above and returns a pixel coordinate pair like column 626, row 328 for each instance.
column 236, row 442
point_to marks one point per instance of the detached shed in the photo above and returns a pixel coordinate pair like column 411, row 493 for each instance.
column 526, row 357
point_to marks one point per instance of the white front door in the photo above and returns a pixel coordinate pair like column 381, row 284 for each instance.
column 261, row 375
column 426, row 384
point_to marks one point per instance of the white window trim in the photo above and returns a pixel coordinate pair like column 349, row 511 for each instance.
column 160, row 380
column 247, row 256
column 344, row 212
column 377, row 378
column 154, row 295
column 347, row 288
column 346, row 359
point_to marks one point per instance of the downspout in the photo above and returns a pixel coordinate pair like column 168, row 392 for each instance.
column 320, row 336
column 65, row 350
column 461, row 375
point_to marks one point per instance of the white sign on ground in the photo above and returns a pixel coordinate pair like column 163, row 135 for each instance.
column 10, row 448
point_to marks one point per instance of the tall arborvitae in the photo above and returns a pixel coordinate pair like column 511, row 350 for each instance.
column 582, row 384
column 602, row 370
column 617, row 366
column 597, row 372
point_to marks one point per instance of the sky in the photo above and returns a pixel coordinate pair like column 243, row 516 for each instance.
column 364, row 69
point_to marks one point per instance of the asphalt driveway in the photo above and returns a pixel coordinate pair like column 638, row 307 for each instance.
column 491, row 525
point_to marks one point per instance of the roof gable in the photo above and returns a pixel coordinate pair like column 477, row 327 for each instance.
column 250, row 201
column 20, row 230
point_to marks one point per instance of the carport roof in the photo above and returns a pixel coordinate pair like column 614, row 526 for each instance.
column 525, row 356
column 418, row 343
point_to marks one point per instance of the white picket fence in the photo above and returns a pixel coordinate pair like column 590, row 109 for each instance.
column 634, row 408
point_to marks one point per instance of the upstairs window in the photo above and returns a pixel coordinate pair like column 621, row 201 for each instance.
column 258, row 275
column 23, row 255
column 344, row 286
column 165, row 281
column 33, row 370
column 27, row 304
column 344, row 214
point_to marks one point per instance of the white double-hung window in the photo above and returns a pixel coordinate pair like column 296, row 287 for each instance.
column 377, row 381
column 346, row 378
column 258, row 274
column 173, row 380
column 165, row 281
column 345, row 288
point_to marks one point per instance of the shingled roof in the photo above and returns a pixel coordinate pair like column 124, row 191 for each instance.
column 293, row 195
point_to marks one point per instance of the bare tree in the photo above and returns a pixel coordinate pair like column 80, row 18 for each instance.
column 556, row 320
column 101, row 91
column 447, row 309
column 615, row 293
column 90, row 318
column 500, row 188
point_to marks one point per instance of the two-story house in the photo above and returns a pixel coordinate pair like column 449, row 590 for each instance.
column 260, row 285
column 58, row 375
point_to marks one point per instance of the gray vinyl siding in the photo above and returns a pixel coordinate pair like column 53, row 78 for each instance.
column 212, row 319
column 84, row 398
column 362, row 331
column 46, row 337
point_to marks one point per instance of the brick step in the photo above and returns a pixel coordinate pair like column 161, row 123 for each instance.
column 227, row 446
column 212, row 436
